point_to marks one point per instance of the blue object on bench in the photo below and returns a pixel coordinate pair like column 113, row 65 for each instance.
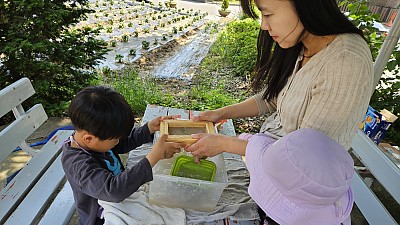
column 9, row 178
column 48, row 138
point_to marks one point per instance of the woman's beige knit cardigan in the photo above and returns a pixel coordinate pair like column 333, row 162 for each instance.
column 330, row 93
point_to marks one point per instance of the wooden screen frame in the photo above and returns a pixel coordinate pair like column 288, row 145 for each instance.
column 187, row 139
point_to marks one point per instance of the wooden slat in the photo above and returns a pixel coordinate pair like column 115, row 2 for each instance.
column 36, row 200
column 210, row 128
column 369, row 204
column 185, row 123
column 187, row 139
column 62, row 209
column 20, row 129
column 18, row 188
column 15, row 94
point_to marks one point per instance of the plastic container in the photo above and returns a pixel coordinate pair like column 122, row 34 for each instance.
column 185, row 166
column 187, row 193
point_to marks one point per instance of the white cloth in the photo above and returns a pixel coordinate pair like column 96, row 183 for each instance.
column 136, row 210
column 235, row 203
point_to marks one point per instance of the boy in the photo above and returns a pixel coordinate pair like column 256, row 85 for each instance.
column 103, row 123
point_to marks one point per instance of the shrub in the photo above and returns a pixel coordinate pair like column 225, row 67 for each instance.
column 237, row 45
column 138, row 91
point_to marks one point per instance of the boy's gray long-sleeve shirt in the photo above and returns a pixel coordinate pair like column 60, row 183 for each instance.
column 91, row 179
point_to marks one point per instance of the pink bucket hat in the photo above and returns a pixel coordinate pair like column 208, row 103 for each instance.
column 304, row 178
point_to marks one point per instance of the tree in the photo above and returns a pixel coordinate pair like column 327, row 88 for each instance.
column 38, row 40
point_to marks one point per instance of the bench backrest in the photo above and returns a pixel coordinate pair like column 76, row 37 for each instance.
column 14, row 135
column 384, row 170
column 25, row 123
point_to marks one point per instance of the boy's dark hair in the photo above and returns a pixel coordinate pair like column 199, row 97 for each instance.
column 102, row 112
column 274, row 64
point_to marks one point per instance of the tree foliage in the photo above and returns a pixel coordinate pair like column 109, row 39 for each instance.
column 38, row 41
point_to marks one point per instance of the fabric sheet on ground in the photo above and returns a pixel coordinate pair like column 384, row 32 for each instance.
column 235, row 203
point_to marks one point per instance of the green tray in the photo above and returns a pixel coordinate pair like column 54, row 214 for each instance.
column 184, row 166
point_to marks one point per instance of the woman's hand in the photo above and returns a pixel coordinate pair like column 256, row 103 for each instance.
column 212, row 116
column 207, row 145
column 154, row 124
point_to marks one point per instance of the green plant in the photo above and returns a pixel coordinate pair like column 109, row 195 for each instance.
column 119, row 58
column 225, row 5
column 113, row 43
column 145, row 45
column 106, row 71
column 138, row 90
column 237, row 45
column 125, row 38
column 132, row 52
column 207, row 97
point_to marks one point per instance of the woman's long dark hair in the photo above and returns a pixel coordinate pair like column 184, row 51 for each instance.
column 274, row 64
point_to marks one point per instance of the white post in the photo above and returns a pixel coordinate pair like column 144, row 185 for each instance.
column 387, row 48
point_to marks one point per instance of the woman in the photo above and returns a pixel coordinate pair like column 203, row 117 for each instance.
column 313, row 70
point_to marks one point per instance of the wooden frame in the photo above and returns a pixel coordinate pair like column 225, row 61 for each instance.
column 166, row 127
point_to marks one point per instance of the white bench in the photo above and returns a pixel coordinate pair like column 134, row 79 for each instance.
column 384, row 170
column 39, row 193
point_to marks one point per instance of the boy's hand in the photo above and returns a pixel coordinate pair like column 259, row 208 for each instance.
column 154, row 124
column 163, row 150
